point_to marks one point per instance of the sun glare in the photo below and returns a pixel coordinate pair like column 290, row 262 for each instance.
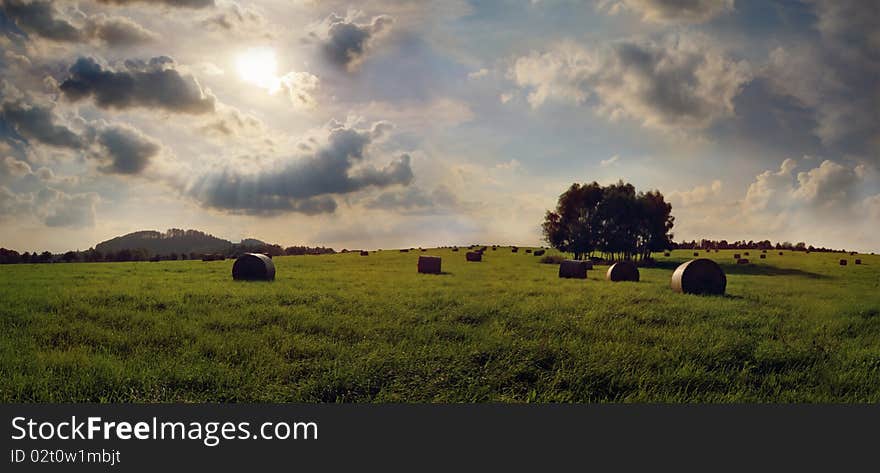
column 259, row 67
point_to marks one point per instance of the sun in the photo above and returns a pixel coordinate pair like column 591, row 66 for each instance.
column 259, row 66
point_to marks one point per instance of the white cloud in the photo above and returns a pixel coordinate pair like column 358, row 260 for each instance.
column 610, row 161
column 683, row 82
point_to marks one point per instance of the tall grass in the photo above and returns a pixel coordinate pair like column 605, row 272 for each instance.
column 346, row 328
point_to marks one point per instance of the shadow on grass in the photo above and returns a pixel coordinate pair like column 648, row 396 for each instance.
column 441, row 273
column 751, row 269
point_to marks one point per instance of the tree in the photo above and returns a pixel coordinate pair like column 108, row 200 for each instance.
column 615, row 220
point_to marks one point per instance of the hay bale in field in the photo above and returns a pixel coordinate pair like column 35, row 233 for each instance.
column 742, row 261
column 538, row 253
column 429, row 264
column 528, row 251
column 404, row 250
column 736, row 256
column 780, row 253
column 858, row 261
column 253, row 267
column 365, row 253
column 746, row 253
column 666, row 253
column 622, row 271
column 699, row 276
column 763, row 256
column 514, row 249
column 573, row 269
column 852, row 253
column 455, row 249
column 843, row 262
column 423, row 250
column 763, row 251
column 696, row 253
column 474, row 256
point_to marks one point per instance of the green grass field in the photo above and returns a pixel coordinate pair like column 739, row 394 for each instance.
column 347, row 328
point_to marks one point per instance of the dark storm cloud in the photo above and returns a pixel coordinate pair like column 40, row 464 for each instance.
column 170, row 3
column 40, row 18
column 38, row 123
column 304, row 185
column 153, row 84
column 835, row 77
column 124, row 149
column 346, row 42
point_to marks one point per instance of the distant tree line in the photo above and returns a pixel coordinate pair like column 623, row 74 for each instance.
column 91, row 255
column 614, row 221
column 751, row 245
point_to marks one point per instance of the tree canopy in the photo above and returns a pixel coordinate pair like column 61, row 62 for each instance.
column 614, row 220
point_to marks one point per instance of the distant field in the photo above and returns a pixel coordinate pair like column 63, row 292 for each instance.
column 347, row 328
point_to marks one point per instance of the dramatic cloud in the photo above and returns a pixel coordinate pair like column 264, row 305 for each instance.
column 39, row 123
column 345, row 42
column 836, row 77
column 152, row 84
column 65, row 210
column 670, row 11
column 680, row 83
column 52, row 207
column 124, row 149
column 43, row 19
column 170, row 3
column 117, row 30
column 304, row 185
column 237, row 19
column 299, row 87
column 416, row 201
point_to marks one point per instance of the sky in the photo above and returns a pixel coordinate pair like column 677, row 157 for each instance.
column 404, row 123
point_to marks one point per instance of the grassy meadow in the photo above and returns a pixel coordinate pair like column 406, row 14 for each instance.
column 347, row 328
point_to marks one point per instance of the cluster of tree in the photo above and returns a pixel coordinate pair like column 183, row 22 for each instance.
column 705, row 244
column 614, row 220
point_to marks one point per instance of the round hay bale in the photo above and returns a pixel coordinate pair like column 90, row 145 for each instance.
column 253, row 267
column 514, row 249
column 404, row 250
column 763, row 251
column 666, row 253
column 538, row 253
column 736, row 256
column 858, row 261
column 475, row 256
column 699, row 276
column 697, row 253
column 455, row 249
column 365, row 253
column 429, row 264
column 843, row 262
column 742, row 261
column 780, row 253
column 763, row 256
column 746, row 253
column 622, row 271
column 423, row 250
column 574, row 269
